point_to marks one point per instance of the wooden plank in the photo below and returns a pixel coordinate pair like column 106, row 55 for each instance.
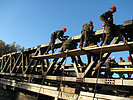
column 119, row 64
column 85, row 95
column 77, row 52
column 103, row 81
column 34, row 66
column 68, row 89
column 2, row 70
column 32, row 60
column 105, row 55
column 120, row 70
column 89, row 66
column 41, row 89
column 51, row 65
column 52, row 91
column 56, row 69
column 9, row 65
column 75, row 66
column 16, row 63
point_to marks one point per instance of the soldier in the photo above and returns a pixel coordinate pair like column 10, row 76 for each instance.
column 107, row 67
column 113, row 62
column 69, row 44
column 107, row 18
column 57, row 34
column 121, row 60
column 86, row 34
column 129, row 60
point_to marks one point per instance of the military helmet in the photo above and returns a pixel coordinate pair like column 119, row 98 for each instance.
column 64, row 29
column 90, row 22
column 128, row 57
column 109, row 58
column 120, row 58
column 114, row 8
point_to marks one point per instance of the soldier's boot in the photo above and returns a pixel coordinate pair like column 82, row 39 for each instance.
column 122, row 38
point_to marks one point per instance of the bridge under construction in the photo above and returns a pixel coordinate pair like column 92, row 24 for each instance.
column 50, row 74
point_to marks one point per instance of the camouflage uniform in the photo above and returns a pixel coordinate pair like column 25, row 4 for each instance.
column 110, row 64
column 69, row 44
column 86, row 34
column 107, row 67
column 57, row 34
column 121, row 75
column 129, row 75
column 113, row 63
column 107, row 18
column 110, row 28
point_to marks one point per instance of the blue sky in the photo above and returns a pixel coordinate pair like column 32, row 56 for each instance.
column 30, row 22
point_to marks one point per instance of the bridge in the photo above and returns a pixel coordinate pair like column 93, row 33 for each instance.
column 32, row 70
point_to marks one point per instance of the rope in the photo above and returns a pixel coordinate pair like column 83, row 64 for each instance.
column 62, row 77
column 41, row 86
column 44, row 79
column 98, row 70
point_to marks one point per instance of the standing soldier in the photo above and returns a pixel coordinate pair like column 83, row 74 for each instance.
column 113, row 62
column 121, row 60
column 129, row 60
column 57, row 34
column 107, row 18
column 86, row 35
column 107, row 67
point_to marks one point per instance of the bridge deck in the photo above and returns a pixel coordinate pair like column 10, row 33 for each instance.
column 90, row 49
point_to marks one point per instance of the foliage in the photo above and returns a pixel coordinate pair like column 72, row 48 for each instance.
column 8, row 48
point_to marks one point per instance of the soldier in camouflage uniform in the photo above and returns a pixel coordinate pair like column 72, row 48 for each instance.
column 129, row 60
column 110, row 28
column 107, row 67
column 86, row 34
column 57, row 34
column 120, row 74
column 69, row 44
column 121, row 60
column 107, row 18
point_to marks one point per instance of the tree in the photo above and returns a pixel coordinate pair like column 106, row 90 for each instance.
column 8, row 48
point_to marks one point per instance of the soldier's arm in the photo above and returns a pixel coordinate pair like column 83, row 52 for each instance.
column 103, row 17
column 91, row 28
column 65, row 37
column 60, row 36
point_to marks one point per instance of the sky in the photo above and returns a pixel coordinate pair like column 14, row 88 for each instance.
column 31, row 22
